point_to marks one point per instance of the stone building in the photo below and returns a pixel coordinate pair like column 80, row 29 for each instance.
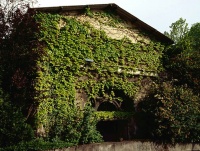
column 99, row 54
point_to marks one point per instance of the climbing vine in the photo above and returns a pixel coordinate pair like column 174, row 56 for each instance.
column 81, row 60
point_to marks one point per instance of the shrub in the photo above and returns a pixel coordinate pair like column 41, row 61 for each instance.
column 173, row 113
column 37, row 144
column 13, row 127
column 89, row 133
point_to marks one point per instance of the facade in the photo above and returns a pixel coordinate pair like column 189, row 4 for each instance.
column 96, row 54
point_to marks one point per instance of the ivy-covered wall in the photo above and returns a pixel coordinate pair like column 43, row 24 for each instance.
column 91, row 58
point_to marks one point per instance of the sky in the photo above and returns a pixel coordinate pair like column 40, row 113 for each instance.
column 159, row 14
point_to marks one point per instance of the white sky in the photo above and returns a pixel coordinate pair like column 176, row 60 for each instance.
column 157, row 13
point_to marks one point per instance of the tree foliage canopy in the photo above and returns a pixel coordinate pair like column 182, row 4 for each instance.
column 174, row 104
column 178, row 30
column 182, row 60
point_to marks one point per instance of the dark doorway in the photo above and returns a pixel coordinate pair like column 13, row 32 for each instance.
column 113, row 130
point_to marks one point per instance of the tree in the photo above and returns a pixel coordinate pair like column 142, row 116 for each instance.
column 172, row 113
column 182, row 60
column 10, row 12
column 178, row 30
column 13, row 18
column 172, row 106
column 194, row 37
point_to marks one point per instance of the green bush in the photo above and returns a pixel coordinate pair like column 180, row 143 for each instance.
column 37, row 144
column 13, row 127
column 77, row 127
column 66, row 127
column 173, row 113
column 89, row 133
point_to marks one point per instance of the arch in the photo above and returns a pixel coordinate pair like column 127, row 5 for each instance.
column 112, row 130
column 108, row 106
column 126, row 104
column 115, row 129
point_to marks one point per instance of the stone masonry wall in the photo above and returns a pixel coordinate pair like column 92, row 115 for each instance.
column 132, row 146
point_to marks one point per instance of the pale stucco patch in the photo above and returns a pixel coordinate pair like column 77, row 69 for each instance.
column 120, row 31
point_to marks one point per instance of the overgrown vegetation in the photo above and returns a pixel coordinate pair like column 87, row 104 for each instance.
column 173, row 106
column 61, row 64
column 65, row 70
column 51, row 64
column 14, row 127
column 172, row 114
column 37, row 144
column 182, row 59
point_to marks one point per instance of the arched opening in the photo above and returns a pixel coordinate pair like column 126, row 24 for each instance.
column 127, row 104
column 107, row 106
column 112, row 130
column 115, row 109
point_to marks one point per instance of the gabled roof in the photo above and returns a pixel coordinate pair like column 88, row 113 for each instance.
column 121, row 12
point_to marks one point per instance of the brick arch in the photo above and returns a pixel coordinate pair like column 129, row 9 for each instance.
column 108, row 106
column 127, row 103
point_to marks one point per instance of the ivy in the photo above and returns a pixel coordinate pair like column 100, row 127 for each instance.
column 80, row 57
column 61, row 63
column 107, row 115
